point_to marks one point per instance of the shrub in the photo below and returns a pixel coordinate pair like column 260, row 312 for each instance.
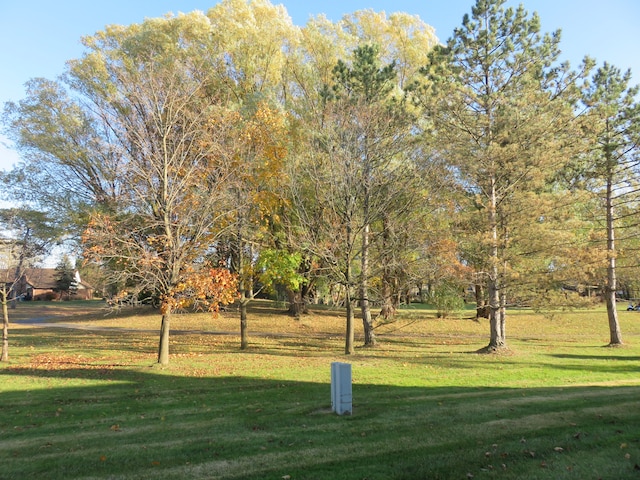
column 446, row 298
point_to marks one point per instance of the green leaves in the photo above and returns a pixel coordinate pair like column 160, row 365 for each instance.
column 277, row 267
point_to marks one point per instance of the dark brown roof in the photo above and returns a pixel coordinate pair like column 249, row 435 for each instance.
column 41, row 278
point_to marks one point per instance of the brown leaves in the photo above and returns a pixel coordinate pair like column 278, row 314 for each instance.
column 206, row 289
column 47, row 361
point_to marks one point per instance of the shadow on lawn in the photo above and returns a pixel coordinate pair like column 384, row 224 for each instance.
column 142, row 418
column 250, row 428
column 595, row 357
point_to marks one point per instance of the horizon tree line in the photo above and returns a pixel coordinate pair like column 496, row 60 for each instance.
column 204, row 156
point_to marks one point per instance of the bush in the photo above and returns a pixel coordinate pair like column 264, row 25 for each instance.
column 446, row 298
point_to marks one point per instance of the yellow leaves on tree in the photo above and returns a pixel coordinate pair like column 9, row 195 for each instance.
column 264, row 143
column 260, row 158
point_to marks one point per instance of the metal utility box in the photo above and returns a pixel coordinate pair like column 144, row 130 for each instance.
column 341, row 394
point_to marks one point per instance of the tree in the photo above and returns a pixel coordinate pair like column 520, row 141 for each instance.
column 253, row 41
column 346, row 84
column 362, row 135
column 65, row 277
column 258, row 177
column 27, row 236
column 68, row 166
column 613, row 164
column 502, row 115
column 147, row 88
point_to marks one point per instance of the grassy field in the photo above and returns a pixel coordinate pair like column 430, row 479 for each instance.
column 88, row 402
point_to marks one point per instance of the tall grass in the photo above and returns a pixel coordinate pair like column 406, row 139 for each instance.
column 86, row 403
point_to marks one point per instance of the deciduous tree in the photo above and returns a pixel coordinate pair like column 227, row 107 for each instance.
column 27, row 236
column 146, row 87
column 253, row 40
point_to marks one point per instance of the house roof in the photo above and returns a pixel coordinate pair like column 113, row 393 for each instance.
column 40, row 278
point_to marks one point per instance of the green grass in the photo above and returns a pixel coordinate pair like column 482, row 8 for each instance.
column 91, row 404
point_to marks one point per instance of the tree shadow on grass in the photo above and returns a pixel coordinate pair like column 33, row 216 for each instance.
column 595, row 357
column 78, row 420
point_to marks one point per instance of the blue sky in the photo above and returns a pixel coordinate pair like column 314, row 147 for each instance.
column 38, row 36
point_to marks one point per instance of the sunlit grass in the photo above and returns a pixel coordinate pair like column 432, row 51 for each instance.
column 82, row 403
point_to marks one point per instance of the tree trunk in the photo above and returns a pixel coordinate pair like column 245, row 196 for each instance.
column 163, row 349
column 496, row 313
column 388, row 310
column 367, row 322
column 244, row 334
column 610, row 289
column 350, row 335
column 297, row 305
column 496, row 318
column 390, row 292
column 5, row 326
column 299, row 300
column 482, row 310
column 502, row 320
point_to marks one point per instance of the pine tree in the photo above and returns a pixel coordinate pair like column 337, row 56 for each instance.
column 500, row 110
column 613, row 165
column 65, row 277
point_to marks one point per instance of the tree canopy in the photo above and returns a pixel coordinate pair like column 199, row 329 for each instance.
column 206, row 157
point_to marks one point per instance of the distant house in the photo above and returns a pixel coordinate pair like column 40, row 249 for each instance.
column 40, row 284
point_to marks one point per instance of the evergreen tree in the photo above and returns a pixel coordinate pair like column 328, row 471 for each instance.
column 65, row 277
column 501, row 111
column 612, row 167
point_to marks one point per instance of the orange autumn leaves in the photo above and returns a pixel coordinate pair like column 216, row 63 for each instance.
column 202, row 290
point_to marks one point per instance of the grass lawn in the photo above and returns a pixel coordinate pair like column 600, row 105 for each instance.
column 89, row 402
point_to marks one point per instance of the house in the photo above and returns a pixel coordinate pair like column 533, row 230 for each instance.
column 40, row 284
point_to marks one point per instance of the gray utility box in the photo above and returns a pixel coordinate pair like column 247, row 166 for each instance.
column 341, row 396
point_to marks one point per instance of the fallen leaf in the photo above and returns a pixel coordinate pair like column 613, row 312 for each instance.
column 115, row 427
column 103, row 458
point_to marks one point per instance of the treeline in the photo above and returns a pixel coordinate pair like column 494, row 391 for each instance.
column 199, row 156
